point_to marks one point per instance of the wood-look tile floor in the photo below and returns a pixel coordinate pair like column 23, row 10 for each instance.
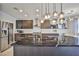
column 8, row 52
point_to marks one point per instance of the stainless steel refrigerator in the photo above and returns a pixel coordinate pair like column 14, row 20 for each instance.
column 6, row 35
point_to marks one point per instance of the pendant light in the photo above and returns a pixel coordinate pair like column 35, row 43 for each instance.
column 48, row 11
column 61, row 15
column 61, row 21
column 42, row 20
column 55, row 14
column 54, row 19
column 47, row 14
column 54, row 22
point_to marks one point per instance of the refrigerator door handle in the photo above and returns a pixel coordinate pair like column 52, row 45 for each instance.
column 8, row 35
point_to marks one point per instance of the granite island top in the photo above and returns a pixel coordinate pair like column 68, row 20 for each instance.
column 72, row 42
column 43, row 45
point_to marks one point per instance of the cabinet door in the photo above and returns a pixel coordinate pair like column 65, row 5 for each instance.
column 27, row 24
column 24, row 24
column 19, row 24
column 4, row 43
column 45, row 25
column 10, row 33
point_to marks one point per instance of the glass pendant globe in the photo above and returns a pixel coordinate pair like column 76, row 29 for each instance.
column 61, row 21
column 55, row 14
column 53, row 22
column 61, row 15
column 42, row 21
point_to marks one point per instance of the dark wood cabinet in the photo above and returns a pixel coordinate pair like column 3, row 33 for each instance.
column 45, row 25
column 10, row 33
column 24, row 24
column 19, row 24
column 49, row 39
column 23, row 37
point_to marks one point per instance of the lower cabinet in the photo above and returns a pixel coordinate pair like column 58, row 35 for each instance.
column 4, row 43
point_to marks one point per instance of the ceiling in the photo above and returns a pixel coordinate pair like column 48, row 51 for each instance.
column 69, row 9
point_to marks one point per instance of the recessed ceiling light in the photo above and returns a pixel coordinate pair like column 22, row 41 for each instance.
column 20, row 10
column 37, row 10
column 37, row 15
column 25, row 15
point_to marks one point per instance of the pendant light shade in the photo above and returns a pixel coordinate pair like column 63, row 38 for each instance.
column 54, row 22
column 55, row 14
column 61, row 21
column 42, row 21
column 56, row 18
column 61, row 15
column 46, row 17
column 47, row 14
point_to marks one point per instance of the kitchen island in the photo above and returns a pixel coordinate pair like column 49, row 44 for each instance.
column 46, row 49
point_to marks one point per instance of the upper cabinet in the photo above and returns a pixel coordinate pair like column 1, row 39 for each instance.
column 45, row 25
column 24, row 24
column 48, row 25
